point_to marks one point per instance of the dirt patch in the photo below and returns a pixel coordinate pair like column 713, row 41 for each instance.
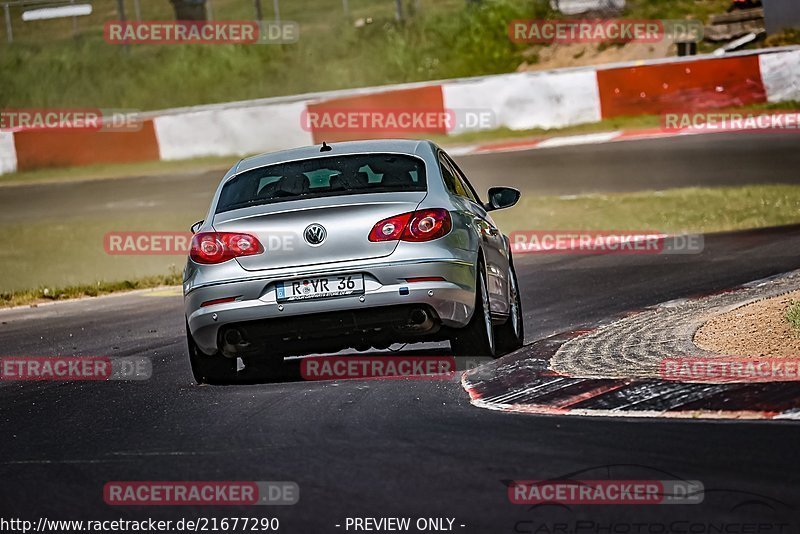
column 580, row 54
column 757, row 329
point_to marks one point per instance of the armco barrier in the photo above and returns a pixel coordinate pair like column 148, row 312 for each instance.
column 781, row 75
column 656, row 89
column 82, row 146
column 546, row 99
column 525, row 100
column 8, row 154
column 425, row 99
column 231, row 131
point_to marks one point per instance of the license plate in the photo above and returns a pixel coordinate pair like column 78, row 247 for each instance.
column 320, row 287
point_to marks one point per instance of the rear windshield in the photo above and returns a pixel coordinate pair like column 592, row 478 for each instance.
column 323, row 177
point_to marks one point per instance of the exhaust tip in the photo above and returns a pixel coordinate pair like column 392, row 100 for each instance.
column 233, row 337
column 418, row 316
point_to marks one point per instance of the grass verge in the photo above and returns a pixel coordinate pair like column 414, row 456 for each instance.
column 445, row 39
column 437, row 39
column 45, row 294
column 694, row 210
column 691, row 210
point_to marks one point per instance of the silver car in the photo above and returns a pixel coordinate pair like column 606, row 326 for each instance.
column 353, row 245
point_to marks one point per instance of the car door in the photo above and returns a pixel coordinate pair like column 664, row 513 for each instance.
column 492, row 240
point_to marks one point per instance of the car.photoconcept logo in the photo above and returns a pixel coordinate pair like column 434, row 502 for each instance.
column 315, row 234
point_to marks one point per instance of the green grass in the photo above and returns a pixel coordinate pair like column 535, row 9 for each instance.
column 784, row 38
column 675, row 210
column 67, row 252
column 46, row 294
column 445, row 39
column 793, row 316
column 83, row 268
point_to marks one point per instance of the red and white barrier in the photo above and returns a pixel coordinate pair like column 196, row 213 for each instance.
column 518, row 101
column 8, row 154
column 780, row 74
column 230, row 131
column 525, row 100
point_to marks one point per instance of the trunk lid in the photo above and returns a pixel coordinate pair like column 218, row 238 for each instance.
column 346, row 220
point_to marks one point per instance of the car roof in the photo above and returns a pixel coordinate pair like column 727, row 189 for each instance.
column 403, row 146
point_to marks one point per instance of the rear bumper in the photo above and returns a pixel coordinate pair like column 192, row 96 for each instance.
column 386, row 286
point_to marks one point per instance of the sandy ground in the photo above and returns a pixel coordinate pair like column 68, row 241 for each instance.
column 580, row 54
column 758, row 329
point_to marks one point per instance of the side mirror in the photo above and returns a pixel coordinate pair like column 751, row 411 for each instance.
column 196, row 226
column 502, row 197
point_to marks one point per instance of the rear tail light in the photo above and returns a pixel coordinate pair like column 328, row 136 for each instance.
column 416, row 226
column 218, row 301
column 217, row 247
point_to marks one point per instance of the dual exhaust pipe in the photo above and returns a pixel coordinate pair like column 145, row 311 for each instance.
column 419, row 321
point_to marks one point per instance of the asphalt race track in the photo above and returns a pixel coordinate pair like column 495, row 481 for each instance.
column 410, row 448
column 718, row 159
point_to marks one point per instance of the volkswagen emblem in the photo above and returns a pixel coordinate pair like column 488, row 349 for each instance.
column 315, row 234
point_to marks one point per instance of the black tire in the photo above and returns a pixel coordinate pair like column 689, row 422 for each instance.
column 207, row 369
column 510, row 336
column 477, row 338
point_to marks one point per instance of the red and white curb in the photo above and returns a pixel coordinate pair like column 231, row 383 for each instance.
column 527, row 382
column 593, row 139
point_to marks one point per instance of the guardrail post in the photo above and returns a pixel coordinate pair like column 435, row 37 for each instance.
column 121, row 12
column 74, row 21
column 9, row 31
